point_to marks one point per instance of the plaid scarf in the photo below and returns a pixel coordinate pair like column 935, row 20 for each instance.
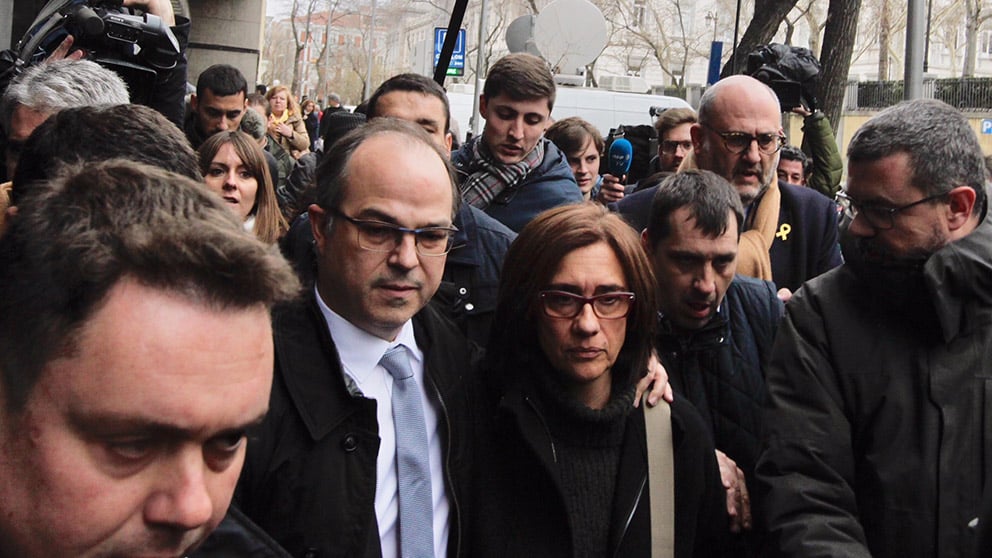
column 489, row 178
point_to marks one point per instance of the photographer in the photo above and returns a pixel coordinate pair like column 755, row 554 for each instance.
column 167, row 92
column 793, row 73
column 821, row 146
column 45, row 89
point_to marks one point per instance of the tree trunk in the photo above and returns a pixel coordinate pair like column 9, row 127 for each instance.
column 815, row 27
column 768, row 15
column 323, row 62
column 301, row 44
column 297, row 70
column 790, row 28
column 842, row 24
column 972, row 9
column 883, row 41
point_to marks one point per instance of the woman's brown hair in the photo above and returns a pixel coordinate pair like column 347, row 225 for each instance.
column 269, row 222
column 532, row 261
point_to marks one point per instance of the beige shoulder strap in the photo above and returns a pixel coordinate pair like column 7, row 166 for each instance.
column 661, row 478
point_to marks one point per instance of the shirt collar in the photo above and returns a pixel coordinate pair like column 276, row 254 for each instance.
column 359, row 350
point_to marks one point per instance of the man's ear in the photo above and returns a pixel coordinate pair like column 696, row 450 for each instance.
column 696, row 134
column 447, row 141
column 318, row 225
column 961, row 204
column 194, row 102
column 645, row 243
column 483, row 107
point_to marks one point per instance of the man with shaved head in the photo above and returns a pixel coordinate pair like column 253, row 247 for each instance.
column 790, row 232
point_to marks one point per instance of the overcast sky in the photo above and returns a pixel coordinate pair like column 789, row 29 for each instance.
column 278, row 8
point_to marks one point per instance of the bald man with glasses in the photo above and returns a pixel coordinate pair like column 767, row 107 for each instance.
column 790, row 233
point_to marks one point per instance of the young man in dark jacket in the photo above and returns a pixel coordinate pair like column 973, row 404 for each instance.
column 511, row 171
column 218, row 104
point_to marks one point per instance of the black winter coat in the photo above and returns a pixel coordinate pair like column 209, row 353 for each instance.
column 310, row 475
column 720, row 368
column 806, row 243
column 238, row 537
column 879, row 439
column 520, row 509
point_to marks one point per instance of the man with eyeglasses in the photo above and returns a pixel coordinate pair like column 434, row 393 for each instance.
column 674, row 140
column 715, row 327
column 790, row 232
column 878, row 439
column 471, row 273
column 364, row 452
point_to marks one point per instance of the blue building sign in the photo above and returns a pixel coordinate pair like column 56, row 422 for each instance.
column 456, row 66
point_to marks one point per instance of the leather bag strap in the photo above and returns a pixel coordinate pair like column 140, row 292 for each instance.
column 661, row 478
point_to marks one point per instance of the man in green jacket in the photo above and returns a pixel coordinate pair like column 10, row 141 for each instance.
column 818, row 165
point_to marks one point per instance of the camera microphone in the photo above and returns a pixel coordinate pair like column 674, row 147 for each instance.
column 620, row 156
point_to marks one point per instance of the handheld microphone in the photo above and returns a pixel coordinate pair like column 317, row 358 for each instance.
column 621, row 154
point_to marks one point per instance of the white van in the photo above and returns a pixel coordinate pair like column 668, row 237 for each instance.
column 604, row 109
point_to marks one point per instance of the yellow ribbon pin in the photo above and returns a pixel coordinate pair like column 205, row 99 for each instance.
column 783, row 231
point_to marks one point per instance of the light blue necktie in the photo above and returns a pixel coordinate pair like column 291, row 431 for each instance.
column 416, row 520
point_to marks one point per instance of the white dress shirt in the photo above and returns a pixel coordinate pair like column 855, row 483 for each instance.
column 360, row 352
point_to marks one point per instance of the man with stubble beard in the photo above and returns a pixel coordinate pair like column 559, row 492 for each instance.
column 877, row 433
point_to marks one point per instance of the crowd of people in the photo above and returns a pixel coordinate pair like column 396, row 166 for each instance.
column 274, row 329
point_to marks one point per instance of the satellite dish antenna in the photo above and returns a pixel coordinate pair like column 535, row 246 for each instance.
column 520, row 35
column 570, row 34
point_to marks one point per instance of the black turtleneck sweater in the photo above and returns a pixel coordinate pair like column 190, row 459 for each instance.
column 588, row 445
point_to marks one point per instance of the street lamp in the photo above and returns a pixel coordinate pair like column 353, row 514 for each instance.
column 712, row 17
column 716, row 50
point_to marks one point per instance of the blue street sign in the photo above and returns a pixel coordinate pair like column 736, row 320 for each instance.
column 457, row 62
column 987, row 126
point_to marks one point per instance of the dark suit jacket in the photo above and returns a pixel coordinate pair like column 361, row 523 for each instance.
column 310, row 473
column 806, row 243
column 636, row 208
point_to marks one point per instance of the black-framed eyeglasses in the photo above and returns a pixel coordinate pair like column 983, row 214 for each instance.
column 378, row 236
column 566, row 305
column 670, row 146
column 739, row 142
column 878, row 216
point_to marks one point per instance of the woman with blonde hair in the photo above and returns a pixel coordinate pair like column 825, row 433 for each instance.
column 234, row 167
column 286, row 126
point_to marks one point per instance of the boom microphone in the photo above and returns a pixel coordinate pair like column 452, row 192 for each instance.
column 621, row 154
